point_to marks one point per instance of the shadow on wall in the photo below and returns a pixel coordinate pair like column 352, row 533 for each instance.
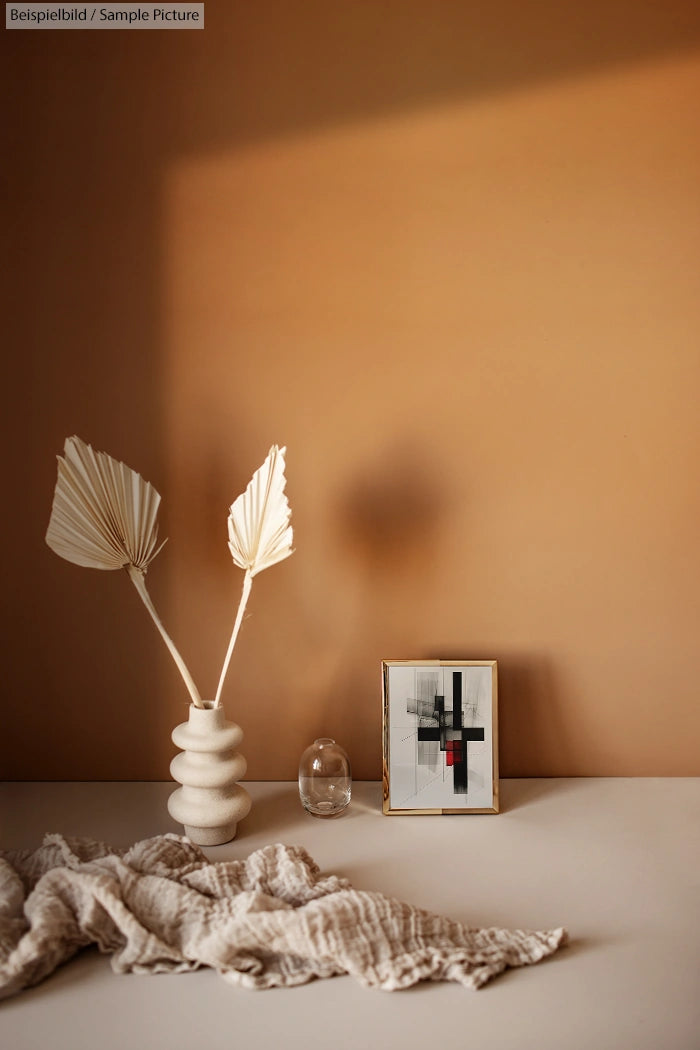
column 533, row 739
column 268, row 68
column 390, row 513
column 387, row 522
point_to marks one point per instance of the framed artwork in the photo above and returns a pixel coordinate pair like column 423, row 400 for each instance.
column 440, row 731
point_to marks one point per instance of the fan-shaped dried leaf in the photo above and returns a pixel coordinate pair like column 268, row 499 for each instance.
column 259, row 534
column 258, row 526
column 103, row 514
column 104, row 517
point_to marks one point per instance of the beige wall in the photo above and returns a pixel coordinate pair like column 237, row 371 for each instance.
column 450, row 259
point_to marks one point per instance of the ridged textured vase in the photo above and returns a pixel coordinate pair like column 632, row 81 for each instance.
column 210, row 802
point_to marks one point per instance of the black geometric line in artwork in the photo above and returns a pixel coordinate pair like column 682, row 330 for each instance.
column 448, row 728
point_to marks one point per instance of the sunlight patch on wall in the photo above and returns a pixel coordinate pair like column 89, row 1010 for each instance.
column 475, row 328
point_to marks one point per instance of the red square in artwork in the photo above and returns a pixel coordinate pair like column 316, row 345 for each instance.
column 453, row 752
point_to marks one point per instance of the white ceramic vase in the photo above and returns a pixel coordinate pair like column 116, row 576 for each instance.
column 210, row 802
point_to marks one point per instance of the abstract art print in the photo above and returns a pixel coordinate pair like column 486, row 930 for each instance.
column 440, row 736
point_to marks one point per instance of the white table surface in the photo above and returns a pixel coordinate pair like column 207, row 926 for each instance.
column 616, row 861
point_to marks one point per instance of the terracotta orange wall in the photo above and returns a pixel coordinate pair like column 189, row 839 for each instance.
column 450, row 259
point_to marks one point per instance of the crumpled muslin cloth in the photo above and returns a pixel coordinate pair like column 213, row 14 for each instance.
column 272, row 919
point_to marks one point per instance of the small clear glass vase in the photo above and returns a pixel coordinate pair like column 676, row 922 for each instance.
column 325, row 779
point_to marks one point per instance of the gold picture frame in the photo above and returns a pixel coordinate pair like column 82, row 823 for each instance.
column 439, row 757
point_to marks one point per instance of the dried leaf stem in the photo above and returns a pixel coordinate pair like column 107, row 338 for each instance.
column 247, row 584
column 139, row 582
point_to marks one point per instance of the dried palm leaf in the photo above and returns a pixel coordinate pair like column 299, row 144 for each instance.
column 259, row 534
column 104, row 516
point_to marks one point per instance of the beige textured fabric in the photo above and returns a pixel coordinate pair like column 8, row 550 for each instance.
column 270, row 920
